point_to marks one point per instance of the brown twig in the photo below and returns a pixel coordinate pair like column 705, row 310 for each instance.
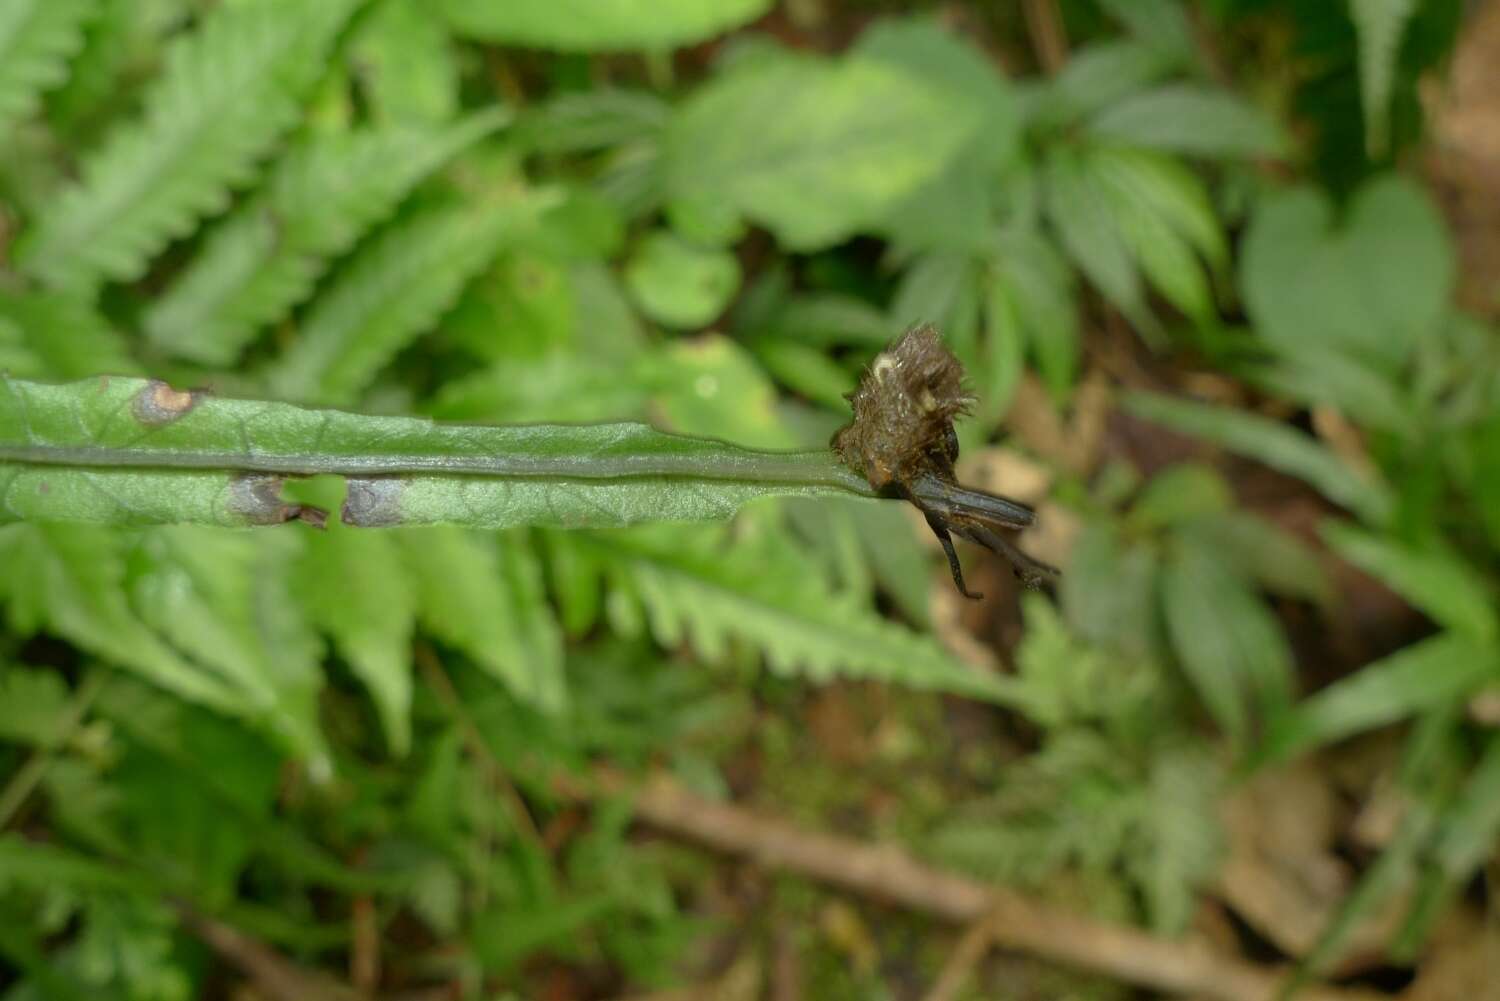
column 1048, row 36
column 1019, row 923
column 274, row 976
column 974, row 943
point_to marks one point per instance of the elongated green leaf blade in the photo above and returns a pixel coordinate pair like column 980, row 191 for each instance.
column 1273, row 443
column 1415, row 678
column 132, row 451
column 589, row 26
column 1437, row 582
column 1183, row 118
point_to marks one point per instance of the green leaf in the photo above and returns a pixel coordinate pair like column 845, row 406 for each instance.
column 33, row 705
column 1079, row 209
column 814, row 150
column 953, row 210
column 322, row 196
column 1162, row 24
column 1097, row 76
column 354, row 587
column 589, row 26
column 1182, row 493
column 1170, row 190
column 1186, row 847
column 1229, row 644
column 70, row 580
column 1371, row 287
column 767, row 593
column 1434, row 580
column 1272, row 443
column 680, row 285
column 138, row 452
column 1412, row 680
column 230, row 88
column 405, row 63
column 1041, row 294
column 390, row 292
column 52, row 334
column 484, row 596
column 36, row 39
column 1185, row 118
column 1380, row 25
column 1276, row 560
column 1109, row 591
column 222, row 598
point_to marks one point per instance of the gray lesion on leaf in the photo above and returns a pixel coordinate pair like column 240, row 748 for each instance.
column 373, row 502
column 158, row 404
column 256, row 497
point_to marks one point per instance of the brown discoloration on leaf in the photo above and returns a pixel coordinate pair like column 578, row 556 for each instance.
column 372, row 502
column 902, row 441
column 256, row 497
column 158, row 404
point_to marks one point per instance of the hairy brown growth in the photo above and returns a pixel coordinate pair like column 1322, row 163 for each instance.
column 902, row 441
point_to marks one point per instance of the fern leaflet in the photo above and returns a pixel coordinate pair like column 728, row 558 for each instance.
column 36, row 39
column 230, row 88
column 393, row 289
column 266, row 257
column 761, row 591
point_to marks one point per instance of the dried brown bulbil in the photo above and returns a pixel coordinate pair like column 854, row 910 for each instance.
column 902, row 441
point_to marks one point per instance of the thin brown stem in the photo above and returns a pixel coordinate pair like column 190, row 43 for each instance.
column 1048, row 36
column 1019, row 923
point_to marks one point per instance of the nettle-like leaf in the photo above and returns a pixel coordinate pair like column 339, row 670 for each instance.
column 322, row 196
column 392, row 290
column 955, row 208
column 586, row 26
column 230, row 88
column 36, row 39
column 694, row 586
column 814, row 149
column 1370, row 285
column 130, row 451
column 1185, row 118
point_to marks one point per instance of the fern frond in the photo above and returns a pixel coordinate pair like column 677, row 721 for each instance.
column 392, row 290
column 229, row 90
column 1380, row 24
column 36, row 39
column 266, row 257
column 759, row 591
column 58, row 336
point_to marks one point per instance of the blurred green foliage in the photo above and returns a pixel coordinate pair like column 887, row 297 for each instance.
column 710, row 216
